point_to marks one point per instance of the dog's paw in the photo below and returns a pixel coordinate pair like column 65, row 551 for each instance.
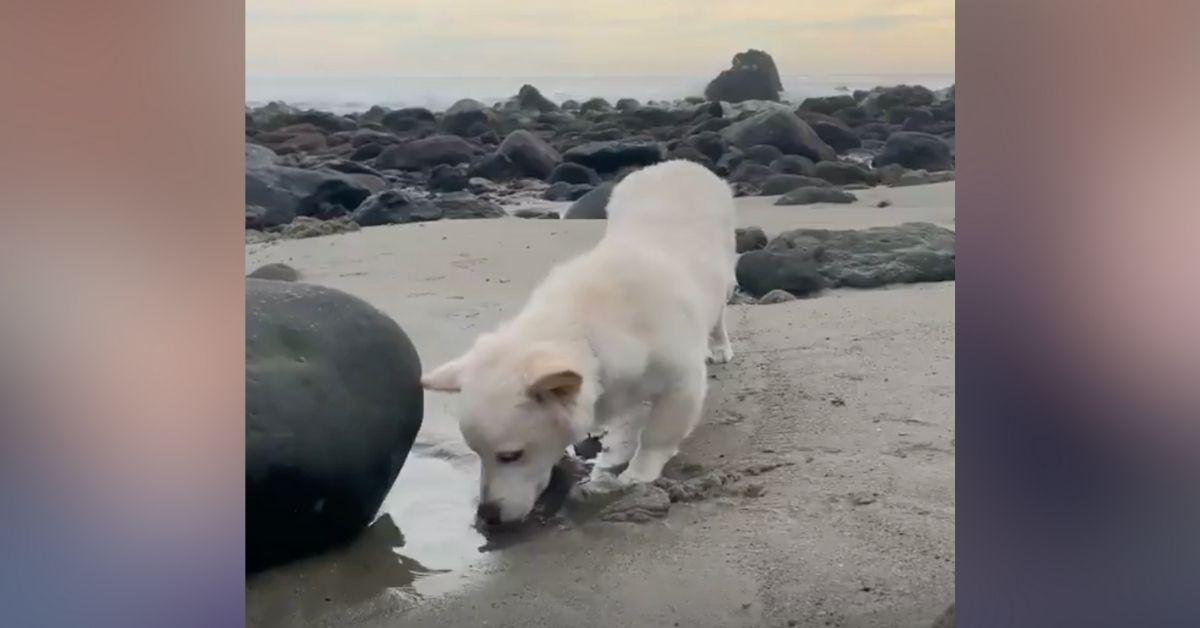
column 630, row 477
column 603, row 481
column 720, row 355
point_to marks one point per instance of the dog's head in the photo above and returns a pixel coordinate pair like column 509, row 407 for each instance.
column 519, row 408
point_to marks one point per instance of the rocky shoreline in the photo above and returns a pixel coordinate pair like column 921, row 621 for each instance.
column 311, row 173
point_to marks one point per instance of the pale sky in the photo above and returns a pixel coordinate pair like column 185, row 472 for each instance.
column 594, row 38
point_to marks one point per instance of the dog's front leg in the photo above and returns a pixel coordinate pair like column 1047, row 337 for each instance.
column 720, row 350
column 672, row 417
column 619, row 442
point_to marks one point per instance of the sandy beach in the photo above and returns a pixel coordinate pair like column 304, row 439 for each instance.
column 852, row 392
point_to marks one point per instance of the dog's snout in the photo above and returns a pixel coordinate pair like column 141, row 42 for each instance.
column 489, row 513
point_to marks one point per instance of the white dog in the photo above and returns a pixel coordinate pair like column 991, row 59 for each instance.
column 624, row 326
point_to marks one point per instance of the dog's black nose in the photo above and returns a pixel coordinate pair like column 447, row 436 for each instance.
column 489, row 513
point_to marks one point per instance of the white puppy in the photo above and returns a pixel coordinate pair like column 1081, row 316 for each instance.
column 624, row 326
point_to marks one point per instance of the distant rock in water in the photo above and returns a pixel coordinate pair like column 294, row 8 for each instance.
column 530, row 99
column 752, row 77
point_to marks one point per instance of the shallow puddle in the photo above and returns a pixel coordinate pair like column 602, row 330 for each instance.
column 423, row 545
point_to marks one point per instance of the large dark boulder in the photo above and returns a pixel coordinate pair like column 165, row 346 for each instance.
column 394, row 207
column 783, row 130
column 284, row 192
column 427, row 152
column 333, row 404
column 614, row 155
column 529, row 98
column 917, row 151
column 867, row 258
column 532, row 156
column 593, row 205
column 753, row 76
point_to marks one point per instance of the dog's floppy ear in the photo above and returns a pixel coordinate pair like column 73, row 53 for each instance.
column 445, row 378
column 552, row 377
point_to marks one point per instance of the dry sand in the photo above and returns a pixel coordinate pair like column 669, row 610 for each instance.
column 854, row 390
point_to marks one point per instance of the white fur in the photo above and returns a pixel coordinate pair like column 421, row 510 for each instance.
column 616, row 337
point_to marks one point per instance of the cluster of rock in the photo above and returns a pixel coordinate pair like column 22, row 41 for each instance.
column 802, row 262
column 386, row 166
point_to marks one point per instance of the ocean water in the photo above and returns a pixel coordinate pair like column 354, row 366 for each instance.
column 358, row 93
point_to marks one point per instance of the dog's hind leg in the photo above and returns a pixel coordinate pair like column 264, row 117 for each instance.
column 720, row 350
column 672, row 417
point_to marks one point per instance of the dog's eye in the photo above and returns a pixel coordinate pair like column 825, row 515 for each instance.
column 506, row 457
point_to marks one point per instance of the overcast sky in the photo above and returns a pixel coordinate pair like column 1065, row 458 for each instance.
column 597, row 37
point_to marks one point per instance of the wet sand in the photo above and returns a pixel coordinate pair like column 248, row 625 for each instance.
column 852, row 392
